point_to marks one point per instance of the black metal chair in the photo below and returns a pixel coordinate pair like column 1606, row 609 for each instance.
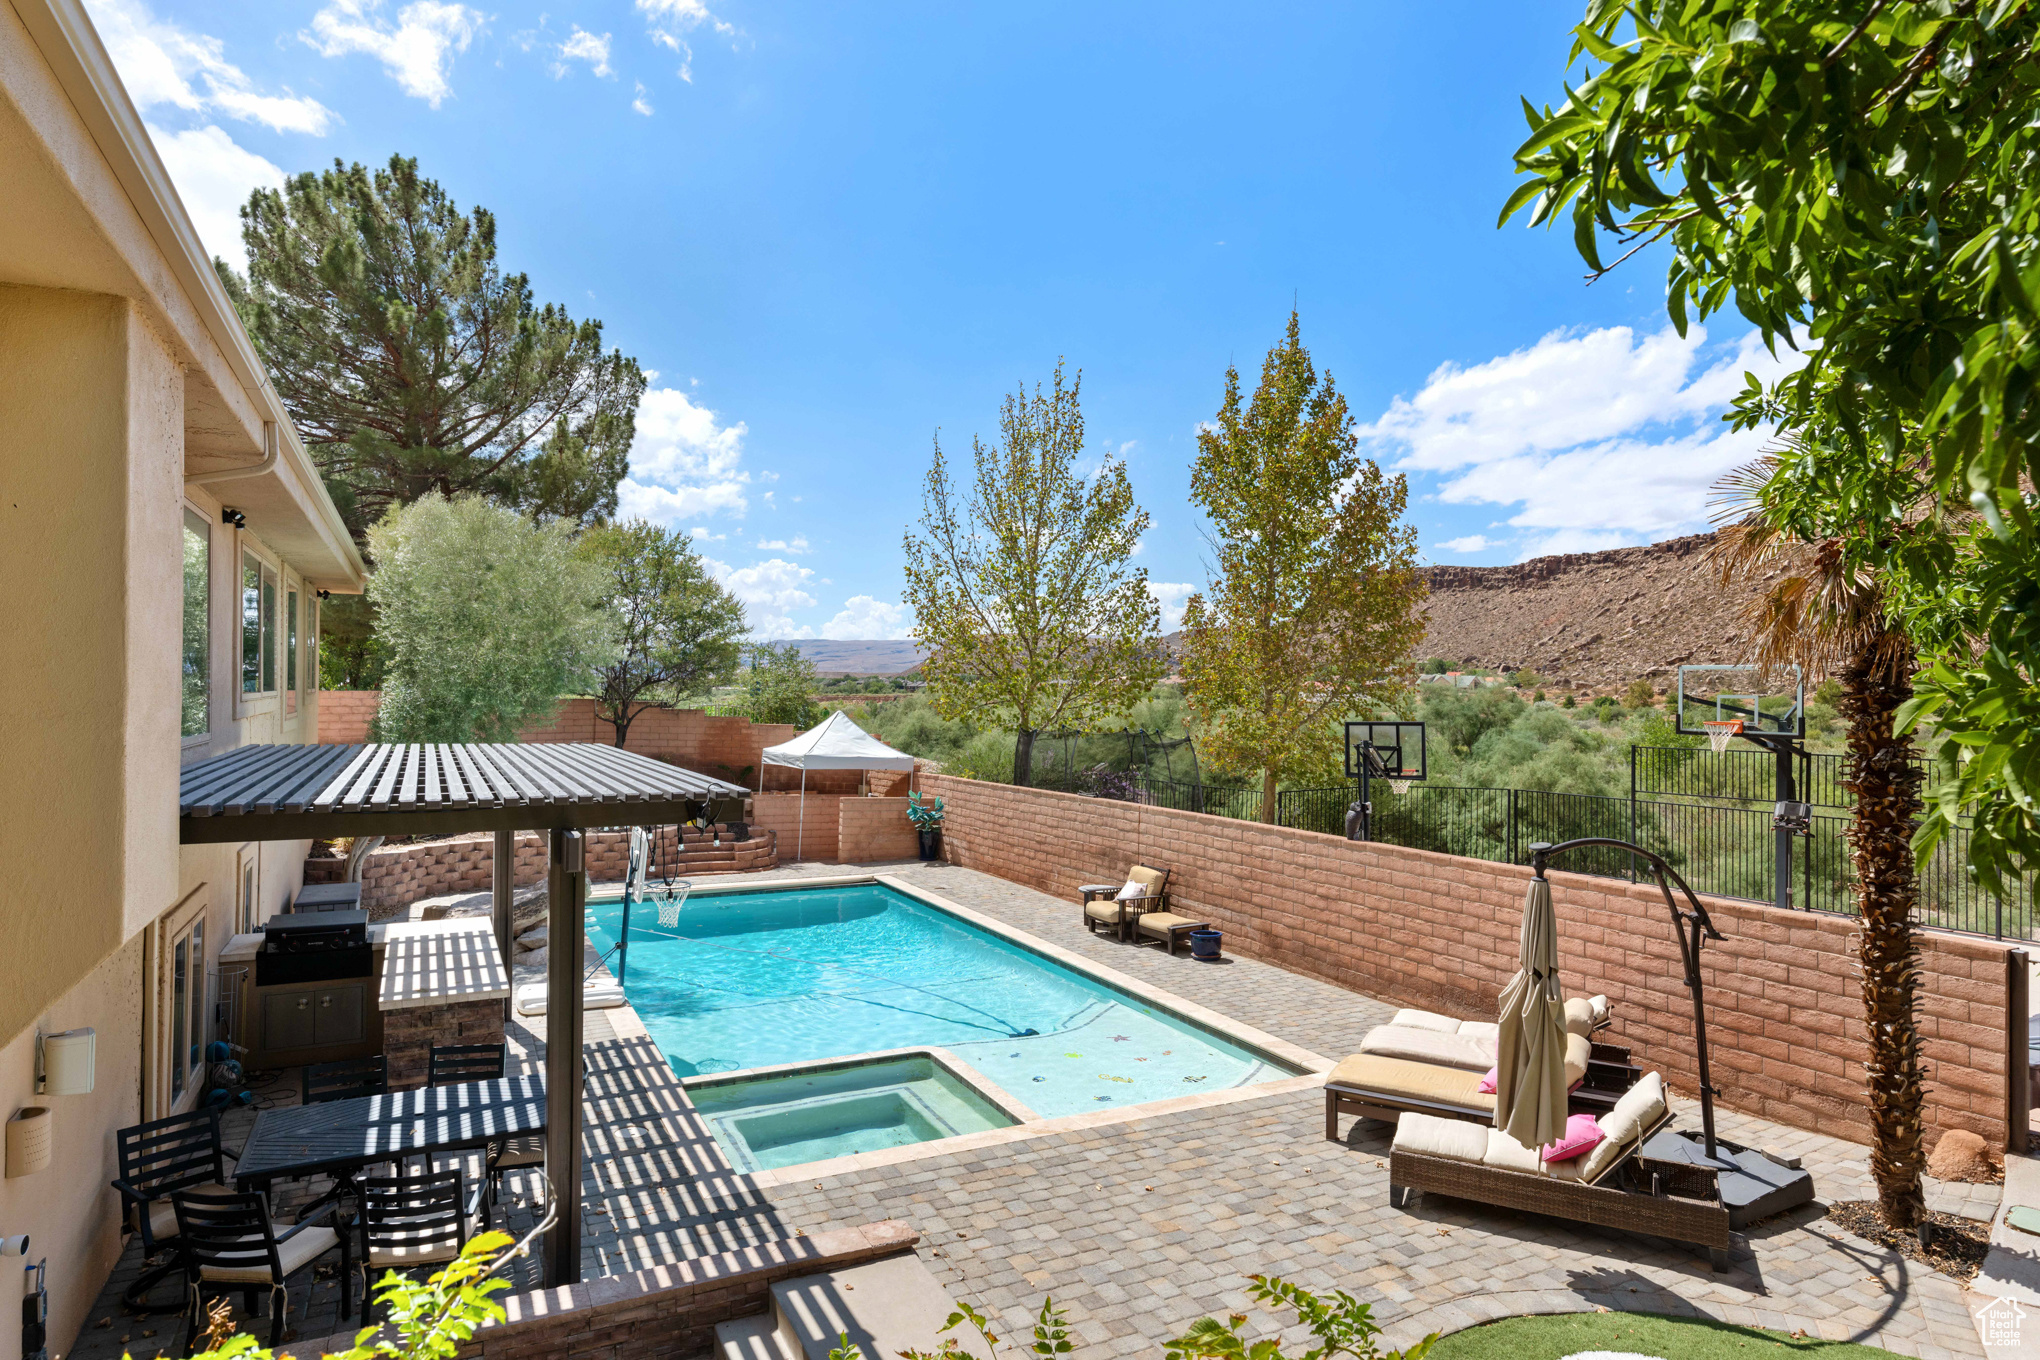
column 449, row 1063
column 229, row 1245
column 410, row 1223
column 157, row 1159
column 347, row 1079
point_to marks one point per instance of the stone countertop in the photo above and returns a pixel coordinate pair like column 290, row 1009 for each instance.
column 433, row 963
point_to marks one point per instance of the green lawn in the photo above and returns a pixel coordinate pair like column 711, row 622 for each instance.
column 1550, row 1338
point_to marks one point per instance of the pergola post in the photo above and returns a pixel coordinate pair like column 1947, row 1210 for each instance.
column 502, row 883
column 566, row 935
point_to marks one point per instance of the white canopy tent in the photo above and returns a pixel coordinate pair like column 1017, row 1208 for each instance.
column 834, row 744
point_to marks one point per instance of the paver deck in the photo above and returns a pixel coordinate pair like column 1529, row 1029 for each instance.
column 1141, row 1227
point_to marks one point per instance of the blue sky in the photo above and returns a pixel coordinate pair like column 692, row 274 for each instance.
column 836, row 230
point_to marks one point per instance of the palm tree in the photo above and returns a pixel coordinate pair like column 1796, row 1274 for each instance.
column 1829, row 613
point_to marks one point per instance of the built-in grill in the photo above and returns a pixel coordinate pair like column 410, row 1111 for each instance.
column 314, row 947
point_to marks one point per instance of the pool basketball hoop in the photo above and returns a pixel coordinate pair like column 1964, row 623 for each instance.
column 670, row 899
column 1719, row 733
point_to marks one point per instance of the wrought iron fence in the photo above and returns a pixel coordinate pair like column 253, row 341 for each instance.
column 1741, row 775
column 1725, row 849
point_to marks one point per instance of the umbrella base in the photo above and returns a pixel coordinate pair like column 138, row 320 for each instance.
column 1752, row 1185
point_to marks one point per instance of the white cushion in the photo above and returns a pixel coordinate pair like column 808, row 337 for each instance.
column 1506, row 1154
column 1600, row 1005
column 1435, row 1137
column 1639, row 1108
column 1487, row 1031
column 163, row 1213
column 1415, row 1019
column 295, row 1254
column 595, row 996
column 1133, row 887
column 403, row 1257
column 1429, row 1046
column 1579, row 1016
column 1577, row 1051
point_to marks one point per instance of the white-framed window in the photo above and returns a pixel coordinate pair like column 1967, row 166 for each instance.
column 258, row 625
column 197, row 650
column 290, row 652
column 248, row 887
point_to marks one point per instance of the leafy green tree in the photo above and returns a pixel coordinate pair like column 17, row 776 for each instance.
column 411, row 364
column 1024, row 591
column 678, row 629
column 488, row 618
column 779, row 684
column 1865, row 175
column 1318, row 602
column 351, row 656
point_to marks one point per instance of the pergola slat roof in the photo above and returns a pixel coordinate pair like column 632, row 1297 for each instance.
column 385, row 788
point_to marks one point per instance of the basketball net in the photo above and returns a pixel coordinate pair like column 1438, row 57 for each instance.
column 1720, row 733
column 673, row 897
column 1400, row 785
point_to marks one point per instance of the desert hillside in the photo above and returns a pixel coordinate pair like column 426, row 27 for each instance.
column 1590, row 622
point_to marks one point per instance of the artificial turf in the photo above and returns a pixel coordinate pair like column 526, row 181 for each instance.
column 1673, row 1338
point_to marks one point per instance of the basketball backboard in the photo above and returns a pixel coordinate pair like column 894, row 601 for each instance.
column 1766, row 700
column 1395, row 750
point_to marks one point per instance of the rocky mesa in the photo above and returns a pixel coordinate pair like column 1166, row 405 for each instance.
column 1592, row 623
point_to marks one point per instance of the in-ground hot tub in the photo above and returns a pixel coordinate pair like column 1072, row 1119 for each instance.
column 771, row 1117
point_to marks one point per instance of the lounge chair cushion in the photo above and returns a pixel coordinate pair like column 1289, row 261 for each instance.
column 1577, row 1050
column 1107, row 911
column 1436, row 1137
column 1133, row 887
column 1150, row 880
column 1579, row 1016
column 163, row 1214
column 1429, row 1045
column 1365, row 1074
column 1641, row 1106
column 1159, row 923
column 1487, row 1031
column 1407, row 1018
column 1506, row 1154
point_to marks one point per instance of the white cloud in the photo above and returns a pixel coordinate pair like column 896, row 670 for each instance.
column 214, row 175
column 795, row 546
column 683, row 464
column 417, row 51
column 641, row 104
column 162, row 63
column 700, row 534
column 768, row 590
column 683, row 14
column 581, row 45
column 862, row 616
column 1472, row 543
column 1603, row 438
column 1171, row 596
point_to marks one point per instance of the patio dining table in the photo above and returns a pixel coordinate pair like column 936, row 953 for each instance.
column 339, row 1137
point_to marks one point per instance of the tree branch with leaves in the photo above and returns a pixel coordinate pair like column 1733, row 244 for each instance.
column 678, row 630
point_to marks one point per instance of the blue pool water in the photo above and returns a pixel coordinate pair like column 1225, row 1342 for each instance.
column 756, row 979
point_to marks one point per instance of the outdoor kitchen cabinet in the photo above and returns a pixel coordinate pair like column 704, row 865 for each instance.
column 293, row 1023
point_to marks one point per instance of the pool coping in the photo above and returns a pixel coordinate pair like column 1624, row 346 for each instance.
column 1001, row 1099
column 1294, row 1055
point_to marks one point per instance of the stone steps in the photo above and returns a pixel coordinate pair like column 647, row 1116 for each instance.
column 883, row 1307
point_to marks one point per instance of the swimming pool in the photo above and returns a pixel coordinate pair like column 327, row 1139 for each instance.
column 756, row 979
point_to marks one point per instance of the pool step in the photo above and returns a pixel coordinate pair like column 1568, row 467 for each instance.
column 885, row 1307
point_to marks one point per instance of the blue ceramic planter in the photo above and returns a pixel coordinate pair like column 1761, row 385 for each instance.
column 1204, row 943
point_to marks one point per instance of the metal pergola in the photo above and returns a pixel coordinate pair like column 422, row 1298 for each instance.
column 280, row 793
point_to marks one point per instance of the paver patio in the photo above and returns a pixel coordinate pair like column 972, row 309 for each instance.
column 1138, row 1228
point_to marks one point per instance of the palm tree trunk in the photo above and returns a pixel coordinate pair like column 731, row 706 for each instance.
column 1886, row 785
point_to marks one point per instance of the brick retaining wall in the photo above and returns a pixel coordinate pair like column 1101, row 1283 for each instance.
column 665, row 1312
column 1785, row 1014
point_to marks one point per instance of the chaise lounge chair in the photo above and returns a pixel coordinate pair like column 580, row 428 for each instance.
column 1103, row 908
column 1604, row 1187
column 1426, row 1063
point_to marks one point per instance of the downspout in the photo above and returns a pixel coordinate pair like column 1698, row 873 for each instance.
column 272, row 446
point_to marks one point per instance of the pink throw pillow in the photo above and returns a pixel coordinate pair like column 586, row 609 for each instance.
column 1581, row 1135
column 1490, row 1081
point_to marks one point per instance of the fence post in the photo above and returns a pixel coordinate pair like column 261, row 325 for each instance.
column 1632, row 808
column 1512, row 826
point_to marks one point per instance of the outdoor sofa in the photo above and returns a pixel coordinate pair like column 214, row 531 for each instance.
column 1448, row 1156
column 1425, row 1063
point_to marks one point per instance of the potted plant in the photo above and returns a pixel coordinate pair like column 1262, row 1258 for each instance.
column 926, row 815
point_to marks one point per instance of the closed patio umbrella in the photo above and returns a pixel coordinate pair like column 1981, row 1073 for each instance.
column 1530, row 1094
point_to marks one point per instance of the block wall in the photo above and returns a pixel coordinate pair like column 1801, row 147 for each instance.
column 410, row 1033
column 1785, row 1016
column 871, row 830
